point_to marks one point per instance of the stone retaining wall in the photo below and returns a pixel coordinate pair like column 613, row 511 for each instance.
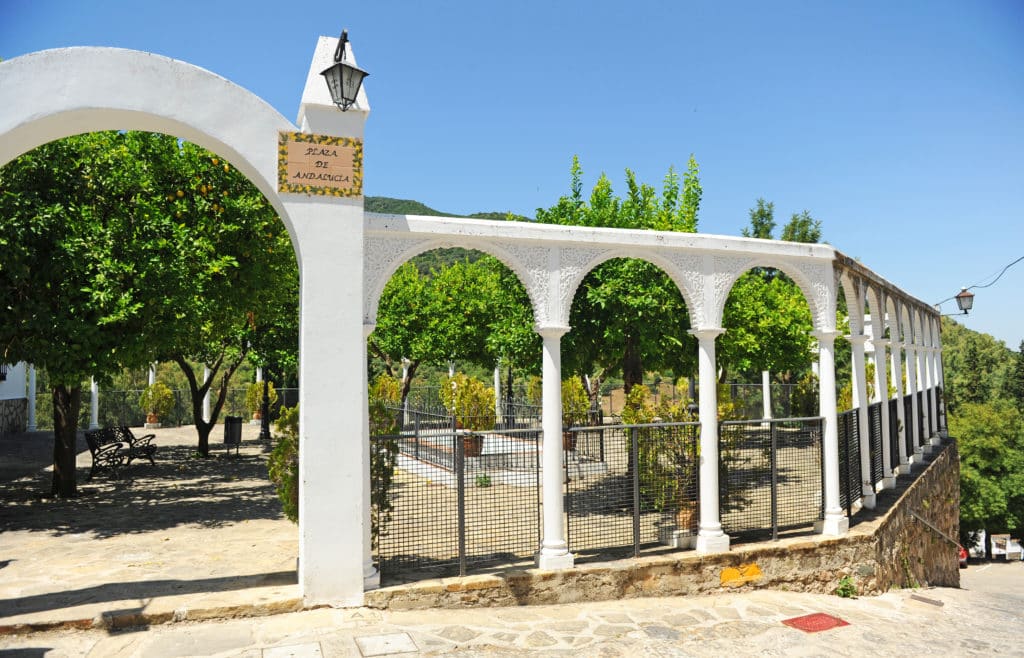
column 13, row 415
column 892, row 550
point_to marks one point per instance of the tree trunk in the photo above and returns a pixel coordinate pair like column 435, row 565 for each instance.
column 66, row 405
column 632, row 365
column 407, row 374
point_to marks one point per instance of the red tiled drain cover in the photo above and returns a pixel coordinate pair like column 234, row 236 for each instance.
column 813, row 623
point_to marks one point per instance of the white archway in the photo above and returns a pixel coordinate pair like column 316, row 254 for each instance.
column 57, row 93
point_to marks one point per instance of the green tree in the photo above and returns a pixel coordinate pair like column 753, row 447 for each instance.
column 82, row 242
column 802, row 228
column 1014, row 386
column 628, row 316
column 762, row 221
column 976, row 366
column 990, row 436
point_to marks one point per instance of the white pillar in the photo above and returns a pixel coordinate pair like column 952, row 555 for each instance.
column 497, row 392
column 915, row 414
column 31, row 398
column 206, row 398
column 933, row 378
column 710, row 538
column 882, row 397
column 152, row 374
column 259, row 374
column 94, row 404
column 860, row 403
column 371, row 577
column 896, row 359
column 554, row 550
column 835, row 522
column 766, row 394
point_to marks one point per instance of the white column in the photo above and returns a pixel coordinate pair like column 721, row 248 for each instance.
column 554, row 550
column 94, row 404
column 371, row 577
column 766, row 394
column 259, row 374
column 206, row 398
column 835, row 522
column 912, row 389
column 896, row 359
column 940, row 380
column 152, row 374
column 933, row 378
column 860, row 403
column 710, row 538
column 497, row 392
column 882, row 397
column 31, row 398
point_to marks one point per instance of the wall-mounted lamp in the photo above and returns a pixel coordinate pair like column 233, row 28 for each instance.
column 343, row 79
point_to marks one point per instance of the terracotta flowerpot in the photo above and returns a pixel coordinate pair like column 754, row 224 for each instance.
column 472, row 445
column 152, row 418
column 568, row 440
column 688, row 518
column 257, row 415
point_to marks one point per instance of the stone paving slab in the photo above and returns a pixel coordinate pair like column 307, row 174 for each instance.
column 986, row 618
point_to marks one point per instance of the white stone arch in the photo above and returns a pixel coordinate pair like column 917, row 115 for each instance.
column 384, row 255
column 815, row 279
column 876, row 299
column 854, row 290
column 682, row 269
column 57, row 93
column 893, row 319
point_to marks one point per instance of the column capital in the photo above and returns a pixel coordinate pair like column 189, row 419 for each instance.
column 856, row 339
column 706, row 332
column 552, row 330
column 826, row 335
column 881, row 342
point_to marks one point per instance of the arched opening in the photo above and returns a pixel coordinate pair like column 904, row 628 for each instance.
column 454, row 417
column 770, row 463
column 633, row 458
column 125, row 248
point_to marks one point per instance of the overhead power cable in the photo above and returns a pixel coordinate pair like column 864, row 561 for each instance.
column 985, row 285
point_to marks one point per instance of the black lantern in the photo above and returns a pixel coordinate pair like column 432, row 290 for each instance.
column 343, row 79
column 965, row 300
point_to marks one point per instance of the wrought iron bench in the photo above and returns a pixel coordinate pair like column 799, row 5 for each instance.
column 108, row 454
column 137, row 446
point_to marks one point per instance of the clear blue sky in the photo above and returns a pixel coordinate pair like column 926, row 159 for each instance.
column 899, row 125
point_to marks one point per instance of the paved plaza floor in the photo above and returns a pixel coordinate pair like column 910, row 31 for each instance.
column 202, row 545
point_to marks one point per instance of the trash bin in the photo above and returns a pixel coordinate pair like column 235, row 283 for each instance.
column 232, row 432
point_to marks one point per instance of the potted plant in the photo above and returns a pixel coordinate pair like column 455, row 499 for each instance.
column 156, row 400
column 575, row 404
column 471, row 403
column 254, row 398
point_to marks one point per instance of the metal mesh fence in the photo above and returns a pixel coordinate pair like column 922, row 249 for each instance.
column 911, row 426
column 921, row 436
column 460, row 500
column 629, row 487
column 875, row 441
column 849, row 460
column 894, row 432
column 770, row 476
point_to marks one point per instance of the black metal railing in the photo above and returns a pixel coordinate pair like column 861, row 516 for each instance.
column 894, row 433
column 849, row 460
column 911, row 426
column 630, row 487
column 770, row 476
column 875, row 441
column 460, row 500
column 928, row 415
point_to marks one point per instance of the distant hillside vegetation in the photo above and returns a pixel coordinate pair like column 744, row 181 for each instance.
column 391, row 206
column 437, row 258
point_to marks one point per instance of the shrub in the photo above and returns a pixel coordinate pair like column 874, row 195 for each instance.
column 283, row 465
column 157, row 399
column 575, row 402
column 470, row 401
column 254, row 396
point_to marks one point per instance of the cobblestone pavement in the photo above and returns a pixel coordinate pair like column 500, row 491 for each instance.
column 984, row 617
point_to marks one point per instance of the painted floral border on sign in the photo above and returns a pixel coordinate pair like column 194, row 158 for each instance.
column 355, row 189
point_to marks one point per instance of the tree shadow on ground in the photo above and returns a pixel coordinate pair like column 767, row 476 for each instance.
column 179, row 489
